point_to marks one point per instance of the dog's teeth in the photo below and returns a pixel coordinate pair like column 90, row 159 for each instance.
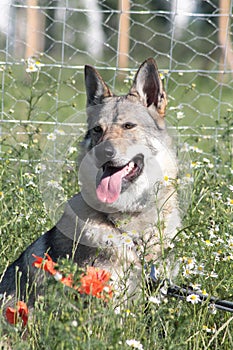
column 130, row 167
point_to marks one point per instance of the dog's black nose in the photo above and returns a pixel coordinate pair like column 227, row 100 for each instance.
column 104, row 152
column 109, row 150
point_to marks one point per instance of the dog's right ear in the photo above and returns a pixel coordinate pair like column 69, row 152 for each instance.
column 96, row 88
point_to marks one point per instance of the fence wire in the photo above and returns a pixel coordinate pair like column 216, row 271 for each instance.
column 45, row 44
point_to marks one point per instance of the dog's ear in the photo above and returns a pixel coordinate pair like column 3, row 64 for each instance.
column 148, row 87
column 96, row 88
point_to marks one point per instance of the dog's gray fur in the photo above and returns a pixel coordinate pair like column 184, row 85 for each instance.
column 119, row 128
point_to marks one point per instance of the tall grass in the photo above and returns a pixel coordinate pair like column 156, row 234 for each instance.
column 64, row 319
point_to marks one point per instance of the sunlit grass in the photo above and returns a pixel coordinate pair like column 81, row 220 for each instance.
column 64, row 319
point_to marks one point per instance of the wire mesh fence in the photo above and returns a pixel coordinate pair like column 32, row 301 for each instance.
column 44, row 45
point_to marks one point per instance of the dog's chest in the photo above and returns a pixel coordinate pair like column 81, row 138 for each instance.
column 139, row 227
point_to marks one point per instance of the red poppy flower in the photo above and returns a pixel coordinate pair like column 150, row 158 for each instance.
column 95, row 282
column 67, row 281
column 46, row 264
column 12, row 315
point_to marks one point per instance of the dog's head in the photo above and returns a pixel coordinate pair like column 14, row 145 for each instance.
column 123, row 145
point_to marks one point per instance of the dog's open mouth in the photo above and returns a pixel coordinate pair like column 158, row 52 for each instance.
column 113, row 178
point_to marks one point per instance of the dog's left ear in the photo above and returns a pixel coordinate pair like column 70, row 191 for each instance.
column 148, row 87
column 96, row 88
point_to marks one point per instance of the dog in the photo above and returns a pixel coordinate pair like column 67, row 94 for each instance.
column 125, row 215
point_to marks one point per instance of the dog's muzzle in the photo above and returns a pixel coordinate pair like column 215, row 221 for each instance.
column 104, row 152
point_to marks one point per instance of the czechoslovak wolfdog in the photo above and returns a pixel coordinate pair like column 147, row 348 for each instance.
column 126, row 214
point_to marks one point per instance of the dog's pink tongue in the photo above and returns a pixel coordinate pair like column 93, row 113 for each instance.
column 109, row 187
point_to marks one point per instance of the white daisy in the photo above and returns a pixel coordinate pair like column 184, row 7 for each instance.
column 134, row 344
column 51, row 136
column 180, row 115
column 193, row 299
column 33, row 65
column 230, row 201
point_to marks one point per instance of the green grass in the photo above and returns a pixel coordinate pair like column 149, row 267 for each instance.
column 62, row 319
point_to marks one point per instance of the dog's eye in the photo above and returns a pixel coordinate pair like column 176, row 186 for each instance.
column 97, row 129
column 128, row 125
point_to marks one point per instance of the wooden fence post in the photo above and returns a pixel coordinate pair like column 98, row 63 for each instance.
column 124, row 23
column 35, row 26
column 223, row 35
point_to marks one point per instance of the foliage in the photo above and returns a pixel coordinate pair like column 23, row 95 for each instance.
column 65, row 319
